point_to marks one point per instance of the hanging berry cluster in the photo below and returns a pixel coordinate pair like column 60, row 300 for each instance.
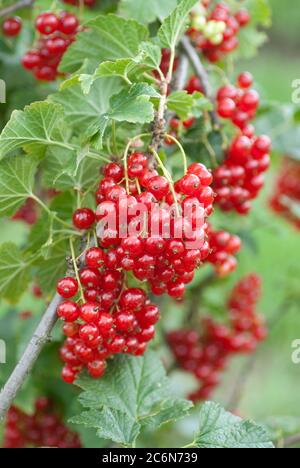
column 214, row 30
column 286, row 198
column 114, row 318
column 240, row 178
column 12, row 26
column 44, row 428
column 56, row 34
column 205, row 354
column 224, row 246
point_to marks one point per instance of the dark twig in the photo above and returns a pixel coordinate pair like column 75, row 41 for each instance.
column 15, row 7
column 201, row 73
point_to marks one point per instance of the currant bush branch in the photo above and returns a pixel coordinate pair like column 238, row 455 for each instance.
column 16, row 6
column 40, row 337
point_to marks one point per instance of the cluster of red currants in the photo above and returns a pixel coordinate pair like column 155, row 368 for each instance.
column 224, row 246
column 215, row 30
column 286, row 199
column 157, row 247
column 240, row 178
column 12, row 26
column 44, row 428
column 57, row 32
column 112, row 318
column 205, row 354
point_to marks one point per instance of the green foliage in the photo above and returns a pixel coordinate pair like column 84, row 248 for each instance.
column 143, row 402
column 220, row 429
column 175, row 24
column 146, row 12
column 14, row 272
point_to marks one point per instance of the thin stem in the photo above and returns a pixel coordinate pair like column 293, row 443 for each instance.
column 114, row 136
column 181, row 150
column 168, row 177
column 76, row 269
column 50, row 213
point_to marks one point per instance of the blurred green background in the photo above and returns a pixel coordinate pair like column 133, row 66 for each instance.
column 272, row 387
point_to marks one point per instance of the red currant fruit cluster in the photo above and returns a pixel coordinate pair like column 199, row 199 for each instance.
column 112, row 319
column 12, row 27
column 28, row 213
column 286, row 199
column 44, row 428
column 57, row 32
column 240, row 178
column 205, row 354
column 239, row 103
column 224, row 247
column 215, row 30
column 159, row 252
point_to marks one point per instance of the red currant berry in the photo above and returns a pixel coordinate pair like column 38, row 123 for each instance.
column 89, row 312
column 95, row 257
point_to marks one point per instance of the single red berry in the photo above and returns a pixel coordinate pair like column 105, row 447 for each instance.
column 68, row 374
column 88, row 333
column 159, row 187
column 89, row 312
column 12, row 26
column 47, row 23
column 245, row 80
column 226, row 107
column 68, row 23
column 133, row 299
column 97, row 368
column 90, row 277
column 83, row 218
column 67, row 287
column 114, row 171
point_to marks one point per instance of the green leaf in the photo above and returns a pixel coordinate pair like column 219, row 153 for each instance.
column 220, row 429
column 40, row 124
column 16, row 182
column 107, row 38
column 80, row 110
column 134, row 393
column 181, row 103
column 174, row 25
column 14, row 272
column 112, row 424
column 146, row 12
column 130, row 105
